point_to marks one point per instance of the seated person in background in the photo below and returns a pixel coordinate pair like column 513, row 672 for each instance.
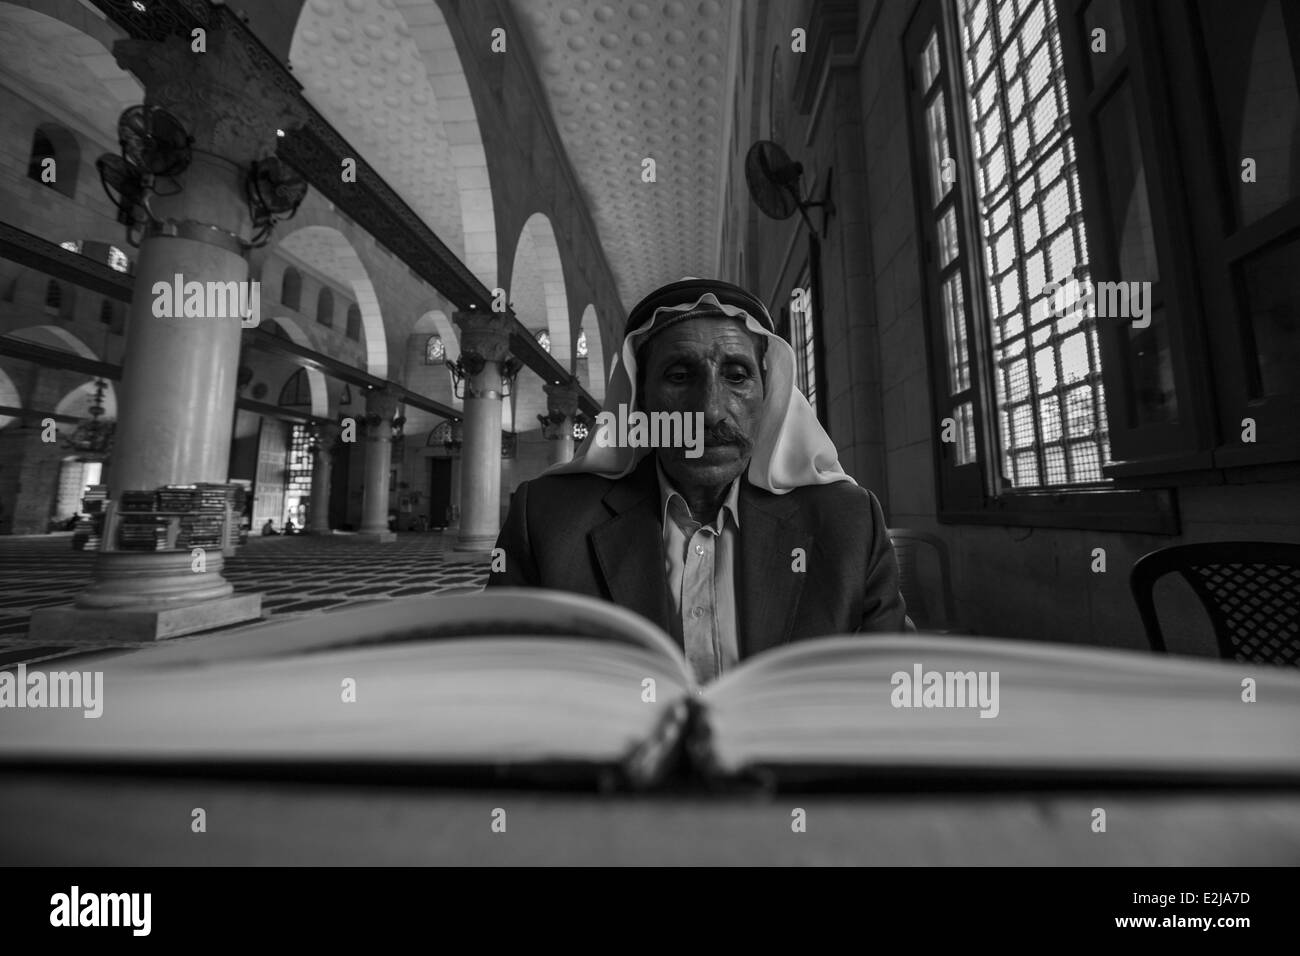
column 71, row 523
column 760, row 540
column 289, row 527
column 269, row 527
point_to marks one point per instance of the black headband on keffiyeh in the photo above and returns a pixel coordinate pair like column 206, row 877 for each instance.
column 791, row 449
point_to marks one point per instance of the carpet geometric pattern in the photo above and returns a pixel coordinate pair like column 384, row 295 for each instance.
column 300, row 574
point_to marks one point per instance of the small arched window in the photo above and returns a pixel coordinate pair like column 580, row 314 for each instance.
column 53, row 297
column 434, row 352
column 325, row 308
column 354, row 322
column 291, row 289
column 544, row 338
column 117, row 260
column 297, row 390
column 582, row 343
column 55, row 159
column 776, row 98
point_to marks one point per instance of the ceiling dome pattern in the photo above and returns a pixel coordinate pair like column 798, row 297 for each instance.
column 631, row 81
column 386, row 74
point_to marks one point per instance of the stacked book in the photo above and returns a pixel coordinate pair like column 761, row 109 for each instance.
column 142, row 532
column 86, row 534
column 137, row 501
column 203, row 514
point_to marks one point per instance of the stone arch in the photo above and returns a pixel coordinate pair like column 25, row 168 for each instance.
column 596, row 374
column 328, row 251
column 537, row 288
column 77, row 401
column 315, row 379
column 431, row 381
column 64, row 56
column 76, row 398
column 55, row 337
column 389, row 77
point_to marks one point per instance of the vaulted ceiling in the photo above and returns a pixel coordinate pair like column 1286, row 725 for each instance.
column 634, row 81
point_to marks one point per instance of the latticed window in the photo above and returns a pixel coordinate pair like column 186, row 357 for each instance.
column 298, row 489
column 802, row 339
column 1019, row 392
column 1046, row 368
column 582, row 344
column 117, row 260
column 543, row 337
column 434, row 351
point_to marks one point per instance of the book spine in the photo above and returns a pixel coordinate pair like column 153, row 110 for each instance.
column 651, row 760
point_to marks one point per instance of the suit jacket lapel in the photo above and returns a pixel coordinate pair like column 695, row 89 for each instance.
column 767, row 587
column 629, row 548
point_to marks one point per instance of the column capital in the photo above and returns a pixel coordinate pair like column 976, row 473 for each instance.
column 229, row 98
column 381, row 407
column 562, row 399
column 484, row 334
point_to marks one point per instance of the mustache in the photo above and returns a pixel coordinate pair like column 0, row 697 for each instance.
column 725, row 433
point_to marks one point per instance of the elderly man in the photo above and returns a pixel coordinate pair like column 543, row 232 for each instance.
column 757, row 539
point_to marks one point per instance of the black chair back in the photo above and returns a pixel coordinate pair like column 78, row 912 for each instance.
column 1250, row 590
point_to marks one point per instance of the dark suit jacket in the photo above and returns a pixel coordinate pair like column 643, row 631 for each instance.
column 603, row 537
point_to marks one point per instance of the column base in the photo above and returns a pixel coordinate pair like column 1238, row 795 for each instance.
column 75, row 625
column 476, row 542
column 375, row 537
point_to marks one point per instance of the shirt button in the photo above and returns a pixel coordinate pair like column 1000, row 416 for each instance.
column 699, row 549
column 697, row 612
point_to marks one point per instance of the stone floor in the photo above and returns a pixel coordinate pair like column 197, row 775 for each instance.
column 296, row 575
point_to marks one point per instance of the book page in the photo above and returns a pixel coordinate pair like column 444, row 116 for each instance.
column 974, row 704
column 571, row 679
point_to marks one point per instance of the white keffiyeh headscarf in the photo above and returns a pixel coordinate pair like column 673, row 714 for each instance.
column 791, row 448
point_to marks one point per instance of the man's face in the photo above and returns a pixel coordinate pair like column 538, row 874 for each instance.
column 710, row 366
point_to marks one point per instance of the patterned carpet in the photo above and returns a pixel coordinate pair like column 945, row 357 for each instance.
column 302, row 574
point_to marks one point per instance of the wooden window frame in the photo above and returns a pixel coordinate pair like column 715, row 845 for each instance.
column 975, row 493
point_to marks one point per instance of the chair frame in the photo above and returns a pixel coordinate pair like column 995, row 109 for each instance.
column 1150, row 568
column 945, row 571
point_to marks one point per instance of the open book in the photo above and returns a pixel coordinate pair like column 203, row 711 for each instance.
column 538, row 686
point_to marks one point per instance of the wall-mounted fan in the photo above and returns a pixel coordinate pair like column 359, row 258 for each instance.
column 274, row 191
column 774, row 184
column 124, row 184
column 154, row 140
column 154, row 144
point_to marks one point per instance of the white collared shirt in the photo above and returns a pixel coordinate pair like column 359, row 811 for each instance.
column 700, row 562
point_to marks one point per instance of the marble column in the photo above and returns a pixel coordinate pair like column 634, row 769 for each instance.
column 484, row 345
column 381, row 408
column 561, row 400
column 177, row 393
column 322, row 467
